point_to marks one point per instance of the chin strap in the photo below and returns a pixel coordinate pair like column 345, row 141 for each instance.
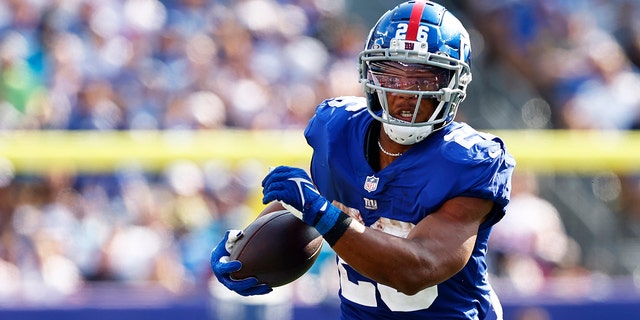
column 407, row 135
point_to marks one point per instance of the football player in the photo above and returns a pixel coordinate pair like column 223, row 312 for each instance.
column 405, row 195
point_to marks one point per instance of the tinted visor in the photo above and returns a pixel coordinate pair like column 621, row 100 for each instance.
column 408, row 76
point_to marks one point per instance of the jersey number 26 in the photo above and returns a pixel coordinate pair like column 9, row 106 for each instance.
column 364, row 293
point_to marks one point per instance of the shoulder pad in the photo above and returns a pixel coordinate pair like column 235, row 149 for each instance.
column 465, row 144
column 351, row 103
column 339, row 106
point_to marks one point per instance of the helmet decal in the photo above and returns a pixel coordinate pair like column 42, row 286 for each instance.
column 414, row 20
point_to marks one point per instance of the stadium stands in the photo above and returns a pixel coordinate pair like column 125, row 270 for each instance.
column 193, row 65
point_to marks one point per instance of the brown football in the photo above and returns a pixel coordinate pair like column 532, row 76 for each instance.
column 277, row 248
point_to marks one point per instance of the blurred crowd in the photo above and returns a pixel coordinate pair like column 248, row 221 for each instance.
column 175, row 64
column 255, row 64
column 580, row 62
column 147, row 64
column 582, row 56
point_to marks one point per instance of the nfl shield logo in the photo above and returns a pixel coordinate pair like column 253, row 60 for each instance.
column 371, row 184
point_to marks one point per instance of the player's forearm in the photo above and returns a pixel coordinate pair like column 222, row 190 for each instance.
column 400, row 263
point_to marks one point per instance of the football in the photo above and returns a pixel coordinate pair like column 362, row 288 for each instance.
column 276, row 248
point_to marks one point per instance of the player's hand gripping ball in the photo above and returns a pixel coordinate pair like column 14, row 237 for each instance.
column 223, row 266
column 294, row 188
column 275, row 249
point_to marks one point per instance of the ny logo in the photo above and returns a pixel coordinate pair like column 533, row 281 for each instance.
column 370, row 204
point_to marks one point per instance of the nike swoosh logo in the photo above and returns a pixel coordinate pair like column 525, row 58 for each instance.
column 300, row 182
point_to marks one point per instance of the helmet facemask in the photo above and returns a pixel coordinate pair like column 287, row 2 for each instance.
column 416, row 85
column 413, row 73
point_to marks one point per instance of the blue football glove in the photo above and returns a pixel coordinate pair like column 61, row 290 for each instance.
column 222, row 268
column 293, row 187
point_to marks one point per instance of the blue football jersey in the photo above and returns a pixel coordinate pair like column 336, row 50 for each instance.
column 454, row 161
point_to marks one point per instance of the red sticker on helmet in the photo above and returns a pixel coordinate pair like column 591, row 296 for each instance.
column 414, row 20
